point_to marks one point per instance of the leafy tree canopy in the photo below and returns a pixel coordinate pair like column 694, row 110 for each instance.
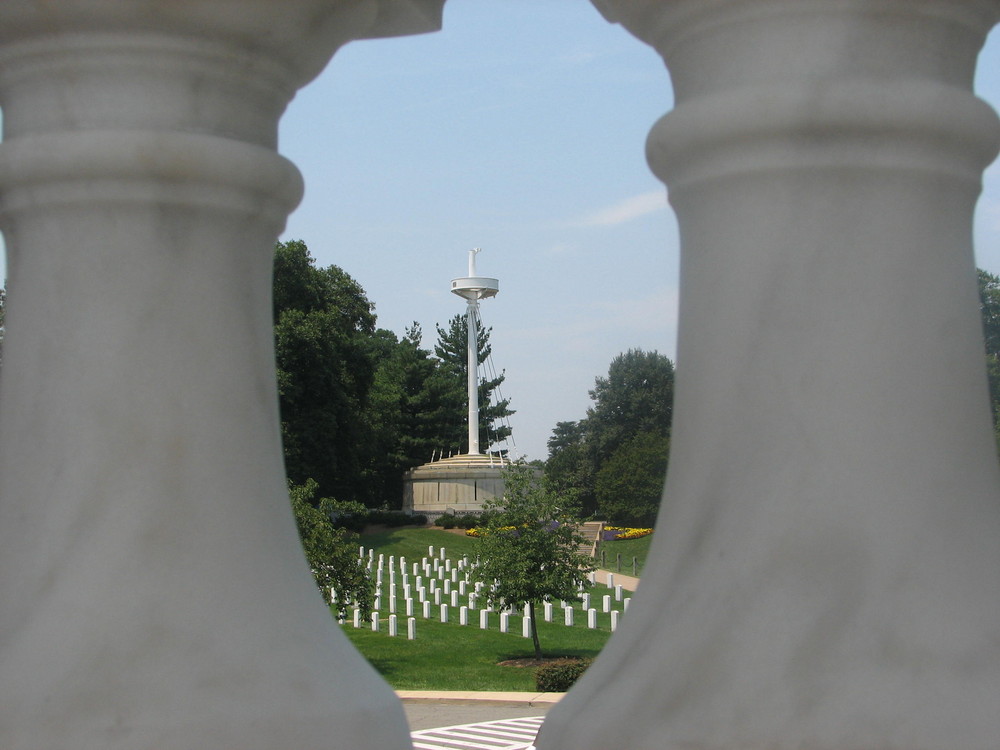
column 636, row 397
column 528, row 548
column 3, row 305
column 332, row 553
column 989, row 308
column 630, row 483
column 323, row 325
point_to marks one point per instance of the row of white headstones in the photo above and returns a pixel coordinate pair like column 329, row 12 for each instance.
column 427, row 584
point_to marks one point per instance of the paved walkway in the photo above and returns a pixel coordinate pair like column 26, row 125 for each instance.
column 626, row 582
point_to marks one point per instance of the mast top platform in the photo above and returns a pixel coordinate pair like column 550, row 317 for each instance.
column 473, row 287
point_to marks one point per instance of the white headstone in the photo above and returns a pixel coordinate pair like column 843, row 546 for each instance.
column 504, row 622
column 568, row 615
column 615, row 615
column 591, row 618
column 547, row 611
column 526, row 627
column 411, row 629
column 444, row 613
column 484, row 619
column 606, row 603
column 426, row 606
column 375, row 622
column 463, row 615
column 409, row 607
column 392, row 626
column 618, row 593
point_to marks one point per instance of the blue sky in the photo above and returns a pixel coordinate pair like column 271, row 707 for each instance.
column 519, row 128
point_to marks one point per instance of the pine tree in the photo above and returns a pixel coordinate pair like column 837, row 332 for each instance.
column 452, row 350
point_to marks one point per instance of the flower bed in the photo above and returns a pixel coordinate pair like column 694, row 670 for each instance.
column 618, row 533
column 479, row 531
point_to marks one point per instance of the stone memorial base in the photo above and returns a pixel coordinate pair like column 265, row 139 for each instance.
column 460, row 484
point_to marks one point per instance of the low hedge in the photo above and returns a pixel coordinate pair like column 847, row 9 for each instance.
column 559, row 676
column 467, row 521
column 388, row 518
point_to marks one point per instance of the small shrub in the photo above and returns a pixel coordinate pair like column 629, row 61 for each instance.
column 559, row 676
column 446, row 521
column 390, row 518
column 468, row 521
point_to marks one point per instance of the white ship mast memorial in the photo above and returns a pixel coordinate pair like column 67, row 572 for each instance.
column 463, row 483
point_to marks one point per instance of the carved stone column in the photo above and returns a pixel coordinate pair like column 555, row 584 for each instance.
column 152, row 591
column 824, row 575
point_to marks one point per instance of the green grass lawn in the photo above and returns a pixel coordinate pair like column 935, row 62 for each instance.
column 628, row 548
column 449, row 656
column 412, row 543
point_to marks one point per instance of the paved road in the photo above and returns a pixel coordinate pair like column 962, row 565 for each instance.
column 505, row 734
column 430, row 715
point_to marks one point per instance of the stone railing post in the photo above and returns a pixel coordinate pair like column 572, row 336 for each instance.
column 825, row 569
column 153, row 595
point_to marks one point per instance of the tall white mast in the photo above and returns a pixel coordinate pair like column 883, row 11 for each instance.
column 474, row 288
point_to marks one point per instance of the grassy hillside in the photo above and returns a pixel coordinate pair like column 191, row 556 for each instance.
column 450, row 656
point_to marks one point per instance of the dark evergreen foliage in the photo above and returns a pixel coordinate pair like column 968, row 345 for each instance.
column 452, row 350
column 617, row 473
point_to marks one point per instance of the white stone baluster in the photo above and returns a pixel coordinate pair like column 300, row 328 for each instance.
column 825, row 569
column 154, row 592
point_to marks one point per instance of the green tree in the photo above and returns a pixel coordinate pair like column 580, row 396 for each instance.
column 332, row 553
column 323, row 326
column 413, row 407
column 989, row 308
column 629, row 484
column 528, row 547
column 635, row 397
column 452, row 350
column 3, row 306
column 569, row 467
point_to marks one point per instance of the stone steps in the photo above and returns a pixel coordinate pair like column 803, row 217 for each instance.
column 591, row 532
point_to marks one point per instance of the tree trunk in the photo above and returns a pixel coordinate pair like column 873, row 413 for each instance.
column 534, row 630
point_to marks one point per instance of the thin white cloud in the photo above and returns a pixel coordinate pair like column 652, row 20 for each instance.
column 626, row 210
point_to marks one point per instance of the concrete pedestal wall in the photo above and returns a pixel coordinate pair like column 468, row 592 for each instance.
column 462, row 484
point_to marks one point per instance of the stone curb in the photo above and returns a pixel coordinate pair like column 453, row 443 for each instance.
column 470, row 697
